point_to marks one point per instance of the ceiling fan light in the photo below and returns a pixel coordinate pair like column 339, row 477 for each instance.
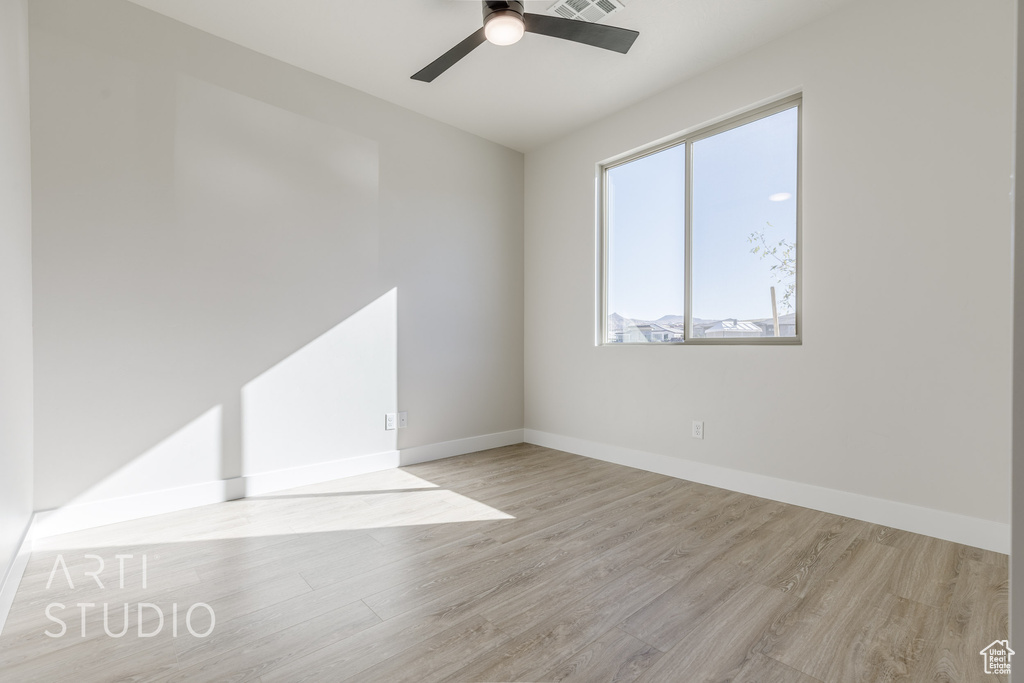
column 504, row 28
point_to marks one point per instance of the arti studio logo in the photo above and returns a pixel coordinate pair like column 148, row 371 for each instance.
column 997, row 657
column 149, row 617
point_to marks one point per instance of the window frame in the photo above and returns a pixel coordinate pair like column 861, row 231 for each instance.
column 687, row 139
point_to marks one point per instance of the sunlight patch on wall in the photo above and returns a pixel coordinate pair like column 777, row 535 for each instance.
column 190, row 455
column 187, row 457
column 327, row 400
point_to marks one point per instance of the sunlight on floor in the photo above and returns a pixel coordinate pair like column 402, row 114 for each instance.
column 390, row 498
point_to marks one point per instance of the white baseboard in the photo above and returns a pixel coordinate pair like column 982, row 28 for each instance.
column 75, row 517
column 980, row 533
column 12, row 577
column 448, row 449
column 267, row 482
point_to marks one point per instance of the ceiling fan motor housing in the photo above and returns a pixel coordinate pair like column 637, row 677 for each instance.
column 505, row 22
column 503, row 6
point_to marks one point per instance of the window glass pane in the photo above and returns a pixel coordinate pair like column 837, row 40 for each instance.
column 744, row 229
column 645, row 246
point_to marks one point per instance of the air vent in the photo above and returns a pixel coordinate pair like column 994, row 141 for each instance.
column 585, row 10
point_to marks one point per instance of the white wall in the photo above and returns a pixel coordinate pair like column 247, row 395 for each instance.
column 240, row 267
column 15, row 287
column 900, row 389
column 1017, row 521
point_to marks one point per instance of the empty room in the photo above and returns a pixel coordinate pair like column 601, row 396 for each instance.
column 461, row 340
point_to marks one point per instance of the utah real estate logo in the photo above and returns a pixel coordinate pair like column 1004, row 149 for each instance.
column 997, row 657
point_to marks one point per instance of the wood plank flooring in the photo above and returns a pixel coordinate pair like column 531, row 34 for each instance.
column 514, row 564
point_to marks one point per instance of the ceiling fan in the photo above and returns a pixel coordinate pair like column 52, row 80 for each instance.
column 505, row 22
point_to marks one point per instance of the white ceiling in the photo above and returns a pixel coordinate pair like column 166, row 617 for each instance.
column 520, row 96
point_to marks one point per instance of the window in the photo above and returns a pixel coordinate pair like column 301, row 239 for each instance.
column 700, row 235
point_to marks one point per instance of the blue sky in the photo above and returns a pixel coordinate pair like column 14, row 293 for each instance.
column 735, row 173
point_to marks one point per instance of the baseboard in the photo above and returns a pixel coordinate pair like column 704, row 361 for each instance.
column 980, row 533
column 76, row 517
column 448, row 449
column 268, row 482
column 12, row 577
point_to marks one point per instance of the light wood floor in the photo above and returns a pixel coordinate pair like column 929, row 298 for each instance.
column 515, row 564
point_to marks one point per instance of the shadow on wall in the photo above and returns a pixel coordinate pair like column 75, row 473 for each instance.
column 189, row 239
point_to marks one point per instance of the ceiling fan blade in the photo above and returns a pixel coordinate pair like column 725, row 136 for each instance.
column 445, row 61
column 598, row 35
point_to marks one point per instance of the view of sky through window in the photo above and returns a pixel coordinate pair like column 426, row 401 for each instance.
column 646, row 207
column 743, row 236
column 740, row 179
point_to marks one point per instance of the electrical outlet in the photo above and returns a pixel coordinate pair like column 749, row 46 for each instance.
column 403, row 420
column 698, row 429
column 389, row 421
